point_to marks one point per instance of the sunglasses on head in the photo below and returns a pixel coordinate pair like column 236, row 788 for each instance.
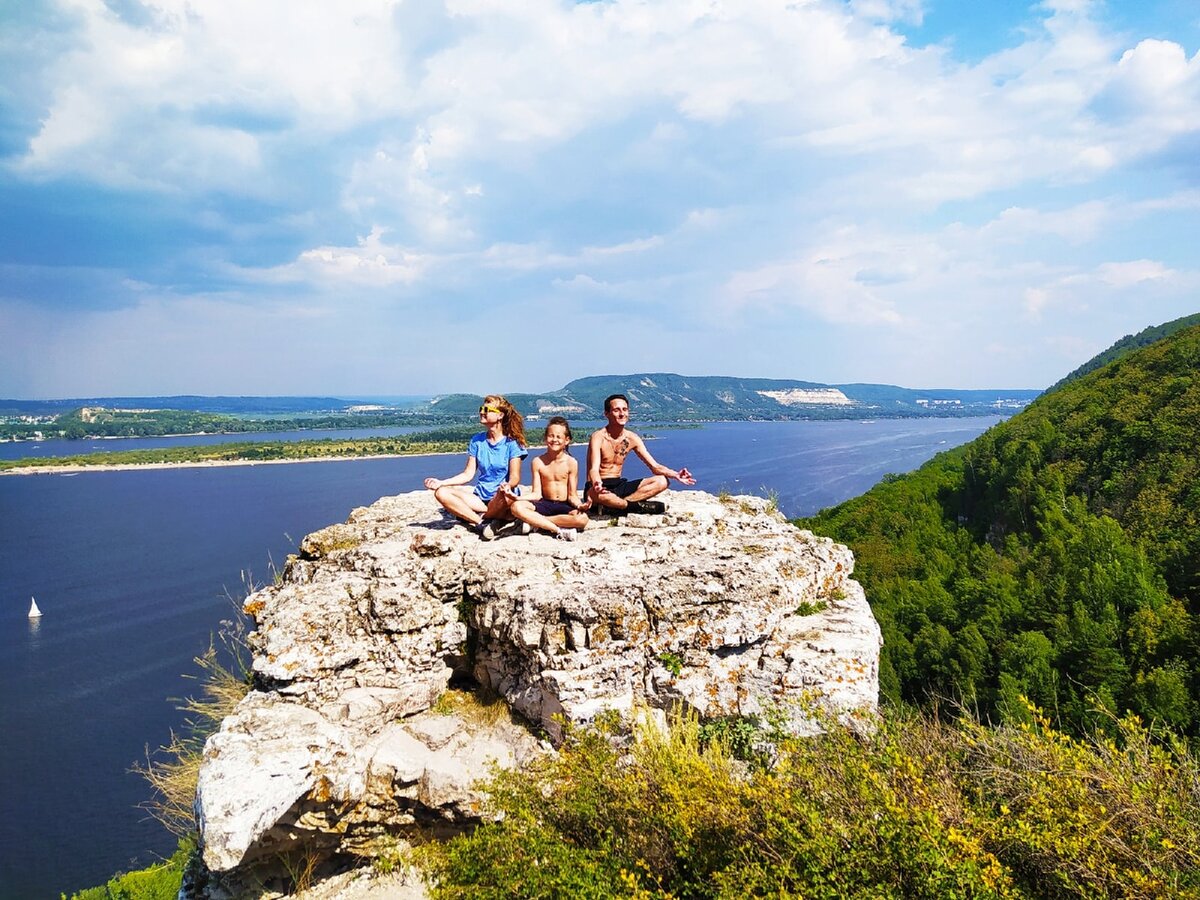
column 487, row 409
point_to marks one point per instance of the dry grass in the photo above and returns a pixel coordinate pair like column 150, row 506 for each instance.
column 301, row 868
column 479, row 707
column 173, row 769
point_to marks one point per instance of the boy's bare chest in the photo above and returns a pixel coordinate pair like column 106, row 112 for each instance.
column 560, row 468
column 554, row 478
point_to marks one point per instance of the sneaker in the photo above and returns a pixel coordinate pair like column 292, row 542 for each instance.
column 487, row 529
column 648, row 507
column 566, row 534
column 525, row 528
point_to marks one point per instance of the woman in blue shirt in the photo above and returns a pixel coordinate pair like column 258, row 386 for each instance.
column 494, row 455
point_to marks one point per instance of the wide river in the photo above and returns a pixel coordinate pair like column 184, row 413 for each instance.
column 135, row 570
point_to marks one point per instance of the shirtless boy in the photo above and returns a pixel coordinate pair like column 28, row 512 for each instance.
column 554, row 505
column 607, row 450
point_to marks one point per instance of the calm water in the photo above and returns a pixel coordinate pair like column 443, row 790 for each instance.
column 134, row 571
column 22, row 449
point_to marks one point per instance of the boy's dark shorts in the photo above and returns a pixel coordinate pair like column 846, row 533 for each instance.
column 550, row 508
column 620, row 486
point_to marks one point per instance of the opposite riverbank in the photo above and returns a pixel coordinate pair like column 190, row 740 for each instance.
column 246, row 453
column 75, row 469
column 434, row 443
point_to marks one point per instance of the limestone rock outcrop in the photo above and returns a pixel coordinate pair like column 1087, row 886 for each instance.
column 720, row 606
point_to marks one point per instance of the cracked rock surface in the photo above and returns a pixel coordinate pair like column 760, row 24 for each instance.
column 720, row 606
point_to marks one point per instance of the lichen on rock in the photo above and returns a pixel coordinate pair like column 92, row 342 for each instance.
column 719, row 607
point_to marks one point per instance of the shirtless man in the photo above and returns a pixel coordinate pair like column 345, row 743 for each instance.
column 607, row 450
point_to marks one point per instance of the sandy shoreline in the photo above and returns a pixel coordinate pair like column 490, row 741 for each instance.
column 205, row 464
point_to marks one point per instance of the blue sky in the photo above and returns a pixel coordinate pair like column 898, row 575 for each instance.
column 409, row 196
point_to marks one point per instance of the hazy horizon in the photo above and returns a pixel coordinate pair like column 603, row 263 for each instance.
column 410, row 398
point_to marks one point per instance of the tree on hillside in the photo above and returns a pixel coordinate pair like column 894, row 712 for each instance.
column 1056, row 557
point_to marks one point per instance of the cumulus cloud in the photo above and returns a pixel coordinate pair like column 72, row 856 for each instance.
column 534, row 256
column 764, row 165
column 1086, row 290
column 467, row 95
column 370, row 262
column 1126, row 274
column 192, row 97
column 837, row 281
column 1153, row 80
column 930, row 287
column 1076, row 224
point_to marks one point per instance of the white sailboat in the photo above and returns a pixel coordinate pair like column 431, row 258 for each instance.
column 34, row 612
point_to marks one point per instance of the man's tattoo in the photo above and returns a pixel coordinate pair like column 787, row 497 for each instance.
column 620, row 449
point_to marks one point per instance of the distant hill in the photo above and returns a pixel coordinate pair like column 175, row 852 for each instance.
column 654, row 396
column 1128, row 344
column 660, row 396
column 1057, row 556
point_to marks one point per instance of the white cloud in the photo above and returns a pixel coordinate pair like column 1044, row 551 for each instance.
column 908, row 11
column 582, row 283
column 835, row 281
column 641, row 245
column 1126, row 274
column 958, row 277
column 496, row 86
column 1035, row 301
column 370, row 263
column 1076, row 224
column 703, row 218
column 131, row 95
column 529, row 257
column 400, row 186
column 790, row 163
column 1154, row 78
column 1181, row 200
column 1081, row 290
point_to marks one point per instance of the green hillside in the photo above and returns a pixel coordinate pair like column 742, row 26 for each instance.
column 1128, row 344
column 1057, row 556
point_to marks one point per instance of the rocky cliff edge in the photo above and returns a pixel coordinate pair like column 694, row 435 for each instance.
column 720, row 607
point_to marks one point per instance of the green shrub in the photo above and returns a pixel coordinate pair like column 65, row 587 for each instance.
column 743, row 736
column 679, row 816
column 921, row 809
column 1105, row 817
column 159, row 882
column 671, row 662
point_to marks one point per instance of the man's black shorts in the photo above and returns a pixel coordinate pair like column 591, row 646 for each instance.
column 620, row 486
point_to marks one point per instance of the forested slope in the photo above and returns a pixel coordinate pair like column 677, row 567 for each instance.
column 1128, row 344
column 1056, row 556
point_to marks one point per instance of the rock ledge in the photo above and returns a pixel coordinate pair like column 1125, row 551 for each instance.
column 720, row 606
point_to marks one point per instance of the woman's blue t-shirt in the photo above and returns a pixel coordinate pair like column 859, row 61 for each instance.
column 492, row 461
